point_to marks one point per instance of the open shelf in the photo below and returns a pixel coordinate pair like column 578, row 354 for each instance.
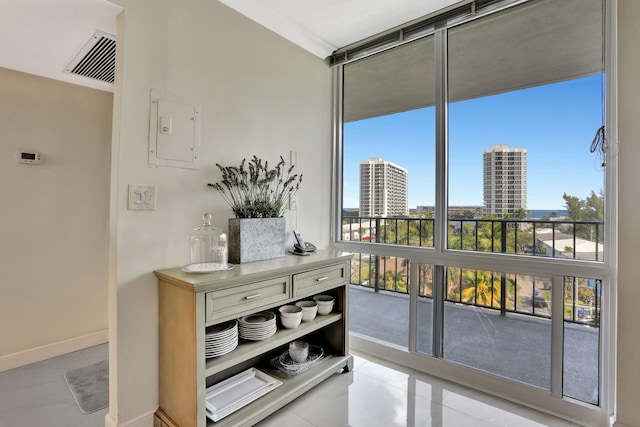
column 249, row 349
column 291, row 388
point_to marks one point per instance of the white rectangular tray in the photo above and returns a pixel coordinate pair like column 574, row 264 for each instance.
column 233, row 393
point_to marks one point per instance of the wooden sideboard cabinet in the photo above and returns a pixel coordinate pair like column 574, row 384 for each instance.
column 190, row 303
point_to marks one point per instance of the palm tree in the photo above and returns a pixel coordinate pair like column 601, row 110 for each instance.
column 486, row 290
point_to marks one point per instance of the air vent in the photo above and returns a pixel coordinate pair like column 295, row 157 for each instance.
column 97, row 58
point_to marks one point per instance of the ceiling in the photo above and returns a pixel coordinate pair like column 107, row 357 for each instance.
column 41, row 37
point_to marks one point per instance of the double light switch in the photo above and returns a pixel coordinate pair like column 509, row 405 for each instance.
column 142, row 197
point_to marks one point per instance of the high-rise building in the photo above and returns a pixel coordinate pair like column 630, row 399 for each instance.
column 505, row 180
column 384, row 188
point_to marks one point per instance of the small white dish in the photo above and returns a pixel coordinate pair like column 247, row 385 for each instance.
column 290, row 311
column 291, row 322
column 324, row 299
column 325, row 309
column 309, row 310
column 325, row 304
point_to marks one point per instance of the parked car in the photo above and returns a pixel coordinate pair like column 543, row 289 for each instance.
column 539, row 301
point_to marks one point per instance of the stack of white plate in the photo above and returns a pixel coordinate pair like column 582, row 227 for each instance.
column 221, row 339
column 257, row 326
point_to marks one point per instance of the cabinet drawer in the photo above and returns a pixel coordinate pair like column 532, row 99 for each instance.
column 235, row 301
column 314, row 281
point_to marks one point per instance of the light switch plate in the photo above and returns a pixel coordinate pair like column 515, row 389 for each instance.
column 142, row 197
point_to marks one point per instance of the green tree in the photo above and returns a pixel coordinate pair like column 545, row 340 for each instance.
column 394, row 280
column 589, row 209
column 574, row 206
column 521, row 213
column 486, row 290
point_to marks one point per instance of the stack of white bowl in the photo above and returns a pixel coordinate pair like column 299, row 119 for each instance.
column 325, row 303
column 290, row 316
column 309, row 310
column 257, row 326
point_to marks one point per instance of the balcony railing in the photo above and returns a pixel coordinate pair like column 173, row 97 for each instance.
column 581, row 240
column 508, row 293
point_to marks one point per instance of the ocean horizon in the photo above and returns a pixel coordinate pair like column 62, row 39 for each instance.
column 533, row 213
column 539, row 213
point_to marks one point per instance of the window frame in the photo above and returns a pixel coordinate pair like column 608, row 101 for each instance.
column 440, row 255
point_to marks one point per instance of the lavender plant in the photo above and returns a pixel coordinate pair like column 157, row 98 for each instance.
column 253, row 190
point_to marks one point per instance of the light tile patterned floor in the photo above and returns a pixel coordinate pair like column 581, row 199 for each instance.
column 380, row 394
column 374, row 394
column 37, row 394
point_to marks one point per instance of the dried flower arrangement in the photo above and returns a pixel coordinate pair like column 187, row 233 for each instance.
column 253, row 190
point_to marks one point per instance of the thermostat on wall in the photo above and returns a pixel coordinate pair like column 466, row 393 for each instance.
column 28, row 157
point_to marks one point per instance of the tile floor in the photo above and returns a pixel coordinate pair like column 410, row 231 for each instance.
column 37, row 395
column 380, row 394
column 376, row 393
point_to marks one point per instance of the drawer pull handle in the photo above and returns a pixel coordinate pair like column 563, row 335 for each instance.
column 252, row 296
column 322, row 279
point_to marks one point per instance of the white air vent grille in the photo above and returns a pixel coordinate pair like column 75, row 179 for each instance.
column 97, row 59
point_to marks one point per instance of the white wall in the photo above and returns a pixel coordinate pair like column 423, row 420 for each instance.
column 54, row 217
column 259, row 95
column 628, row 388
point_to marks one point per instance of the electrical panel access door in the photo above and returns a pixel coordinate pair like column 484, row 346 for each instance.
column 174, row 131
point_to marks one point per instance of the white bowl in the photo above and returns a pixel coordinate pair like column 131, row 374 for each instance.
column 323, row 299
column 290, row 311
column 291, row 322
column 309, row 310
column 325, row 308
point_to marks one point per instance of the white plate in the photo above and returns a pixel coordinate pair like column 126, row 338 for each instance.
column 267, row 327
column 210, row 344
column 233, row 393
column 221, row 335
column 206, row 267
column 222, row 327
column 220, row 352
column 257, row 319
column 224, row 344
column 259, row 334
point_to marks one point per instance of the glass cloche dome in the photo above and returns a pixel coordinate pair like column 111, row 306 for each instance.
column 208, row 249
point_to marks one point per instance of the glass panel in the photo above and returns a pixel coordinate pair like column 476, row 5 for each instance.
column 486, row 326
column 582, row 303
column 389, row 148
column 379, row 300
column 424, row 341
column 524, row 177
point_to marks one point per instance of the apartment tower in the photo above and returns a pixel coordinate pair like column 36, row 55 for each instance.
column 384, row 188
column 505, row 180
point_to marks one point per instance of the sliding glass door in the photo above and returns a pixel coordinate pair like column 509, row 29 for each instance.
column 472, row 191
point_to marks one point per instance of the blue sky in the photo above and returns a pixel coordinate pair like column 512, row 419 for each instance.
column 556, row 123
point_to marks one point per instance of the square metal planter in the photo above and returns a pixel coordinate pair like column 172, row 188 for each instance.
column 256, row 239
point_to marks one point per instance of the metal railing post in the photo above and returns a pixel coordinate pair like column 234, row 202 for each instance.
column 503, row 279
column 376, row 284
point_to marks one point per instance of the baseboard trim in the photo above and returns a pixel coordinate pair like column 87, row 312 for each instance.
column 143, row 420
column 109, row 421
column 26, row 357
